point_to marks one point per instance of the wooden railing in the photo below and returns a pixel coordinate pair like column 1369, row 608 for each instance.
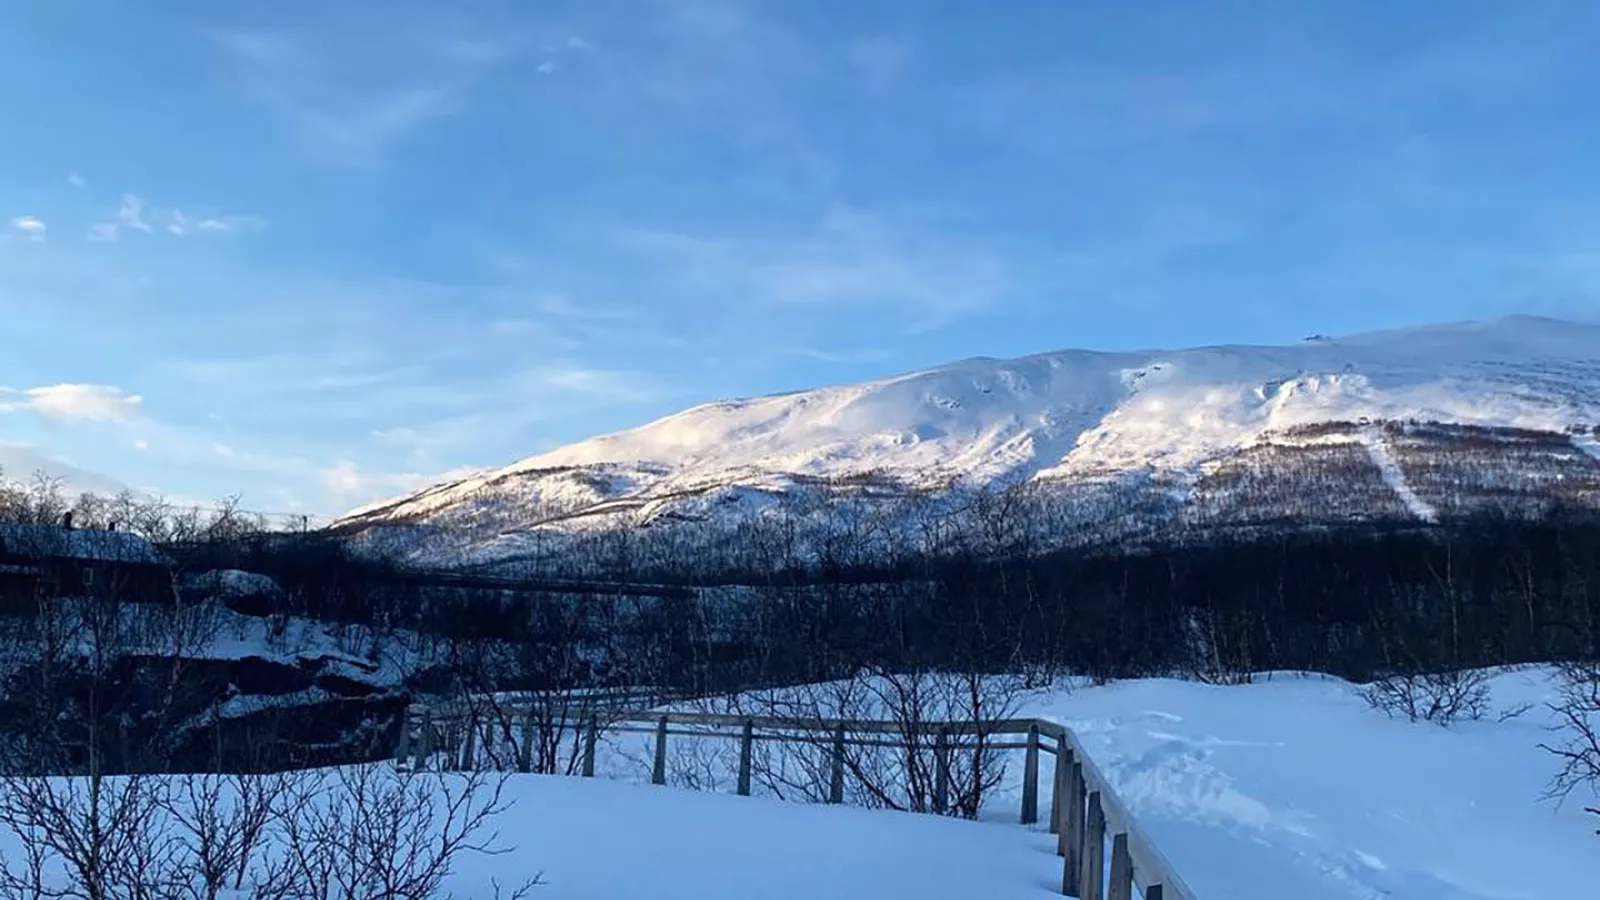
column 1105, row 855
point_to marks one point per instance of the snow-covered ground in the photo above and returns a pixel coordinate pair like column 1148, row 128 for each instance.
column 1296, row 788
column 1291, row 787
column 602, row 839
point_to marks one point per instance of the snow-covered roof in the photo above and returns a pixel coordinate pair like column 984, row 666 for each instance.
column 50, row 541
column 233, row 583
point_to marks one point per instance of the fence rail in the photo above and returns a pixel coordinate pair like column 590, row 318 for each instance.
column 1105, row 854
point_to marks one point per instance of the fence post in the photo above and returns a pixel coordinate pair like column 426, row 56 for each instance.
column 449, row 745
column 525, row 757
column 836, row 782
column 658, row 774
column 941, row 765
column 1121, row 869
column 403, row 746
column 1030, row 778
column 424, row 741
column 1072, row 831
column 469, row 746
column 1094, row 852
column 1058, row 793
column 746, row 750
column 591, row 737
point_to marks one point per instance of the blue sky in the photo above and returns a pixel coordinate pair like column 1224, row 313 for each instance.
column 318, row 253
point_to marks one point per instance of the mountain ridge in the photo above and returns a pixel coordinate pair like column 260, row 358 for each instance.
column 1068, row 417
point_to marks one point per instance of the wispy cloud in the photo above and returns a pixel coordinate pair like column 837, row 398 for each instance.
column 136, row 214
column 230, row 223
column 181, row 224
column 29, row 226
column 850, row 258
column 21, row 462
column 76, row 180
column 842, row 358
column 880, row 62
column 352, row 484
column 348, row 98
column 74, row 402
column 131, row 214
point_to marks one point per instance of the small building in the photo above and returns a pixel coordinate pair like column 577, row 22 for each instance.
column 59, row 560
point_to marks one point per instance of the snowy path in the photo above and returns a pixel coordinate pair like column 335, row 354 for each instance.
column 1393, row 477
column 1295, row 788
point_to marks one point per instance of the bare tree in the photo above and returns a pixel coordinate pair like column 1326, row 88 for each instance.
column 374, row 833
column 96, row 680
column 223, row 824
column 1442, row 698
column 1578, row 722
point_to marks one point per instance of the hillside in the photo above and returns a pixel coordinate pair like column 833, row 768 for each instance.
column 1407, row 424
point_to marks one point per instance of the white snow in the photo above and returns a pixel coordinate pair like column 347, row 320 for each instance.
column 1372, row 440
column 602, row 840
column 1296, row 788
column 1070, row 414
column 599, row 839
column 232, row 583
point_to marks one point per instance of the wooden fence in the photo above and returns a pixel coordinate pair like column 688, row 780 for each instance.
column 1105, row 855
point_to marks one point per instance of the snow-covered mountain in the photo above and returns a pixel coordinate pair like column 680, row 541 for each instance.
column 20, row 464
column 1228, row 433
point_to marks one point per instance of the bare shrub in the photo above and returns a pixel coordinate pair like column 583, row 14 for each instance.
column 1577, row 714
column 359, row 833
column 936, row 752
column 375, row 833
column 221, row 823
column 1442, row 698
column 92, row 838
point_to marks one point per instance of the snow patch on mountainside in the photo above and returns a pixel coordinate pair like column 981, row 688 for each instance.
column 1372, row 440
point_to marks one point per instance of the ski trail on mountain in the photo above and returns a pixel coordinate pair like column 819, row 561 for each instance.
column 1372, row 439
column 1588, row 443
